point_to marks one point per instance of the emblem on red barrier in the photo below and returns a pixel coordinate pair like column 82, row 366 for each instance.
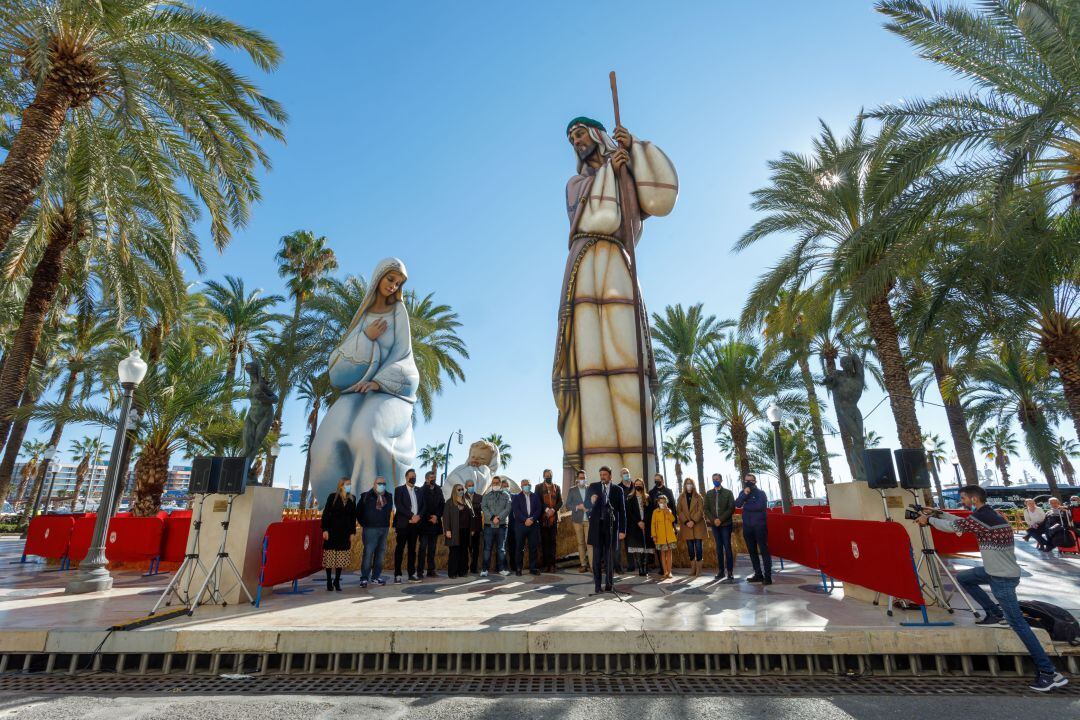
column 307, row 541
column 112, row 537
column 47, row 531
column 791, row 534
column 855, row 549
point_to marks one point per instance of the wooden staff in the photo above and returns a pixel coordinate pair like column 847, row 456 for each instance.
column 629, row 210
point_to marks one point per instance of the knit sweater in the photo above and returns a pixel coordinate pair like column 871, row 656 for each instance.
column 995, row 537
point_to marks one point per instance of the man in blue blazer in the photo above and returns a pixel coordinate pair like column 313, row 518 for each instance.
column 408, row 511
column 525, row 511
column 607, row 527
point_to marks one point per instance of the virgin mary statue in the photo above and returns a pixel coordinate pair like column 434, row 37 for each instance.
column 367, row 432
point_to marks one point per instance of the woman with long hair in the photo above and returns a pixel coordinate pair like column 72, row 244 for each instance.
column 338, row 528
column 457, row 522
column 637, row 532
column 368, row 431
column 692, row 524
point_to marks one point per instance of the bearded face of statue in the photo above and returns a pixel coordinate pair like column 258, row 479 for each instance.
column 584, row 145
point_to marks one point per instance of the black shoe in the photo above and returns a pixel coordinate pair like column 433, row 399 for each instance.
column 608, row 588
column 597, row 591
column 755, row 578
column 991, row 621
column 718, row 577
column 337, row 584
column 767, row 581
column 518, row 573
column 330, row 585
column 414, row 578
column 534, row 572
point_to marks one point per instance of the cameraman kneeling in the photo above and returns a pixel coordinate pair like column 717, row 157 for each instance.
column 1000, row 572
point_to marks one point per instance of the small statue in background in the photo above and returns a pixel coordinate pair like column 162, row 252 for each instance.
column 260, row 417
column 846, row 386
column 481, row 466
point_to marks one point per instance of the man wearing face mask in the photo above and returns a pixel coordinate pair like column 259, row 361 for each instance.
column 754, row 503
column 431, row 527
column 550, row 496
column 476, row 531
column 410, row 506
column 496, row 511
column 373, row 513
column 626, row 483
column 526, row 510
column 578, row 502
column 719, row 508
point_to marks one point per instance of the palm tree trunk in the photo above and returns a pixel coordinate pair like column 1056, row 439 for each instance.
column 882, row 327
column 808, row 488
column 931, row 465
column 151, row 474
column 739, row 438
column 1064, row 357
column 958, row 428
column 24, row 166
column 1003, row 467
column 80, row 475
column 815, row 421
column 314, row 424
column 39, row 299
column 11, row 453
column 230, row 369
column 678, row 472
column 699, row 446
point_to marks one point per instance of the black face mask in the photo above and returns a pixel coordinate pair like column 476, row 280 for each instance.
column 547, row 480
column 749, row 485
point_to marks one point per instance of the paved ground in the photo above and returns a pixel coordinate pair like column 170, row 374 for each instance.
column 565, row 708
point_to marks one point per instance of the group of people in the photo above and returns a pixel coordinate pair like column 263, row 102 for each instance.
column 617, row 525
column 1053, row 527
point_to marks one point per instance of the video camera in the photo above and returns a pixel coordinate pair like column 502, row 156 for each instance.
column 915, row 510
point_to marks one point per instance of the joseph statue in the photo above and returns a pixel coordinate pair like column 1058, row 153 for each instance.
column 603, row 345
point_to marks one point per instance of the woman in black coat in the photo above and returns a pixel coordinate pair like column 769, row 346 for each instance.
column 338, row 526
column 638, row 515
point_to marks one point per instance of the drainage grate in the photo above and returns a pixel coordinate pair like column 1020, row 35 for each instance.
column 106, row 684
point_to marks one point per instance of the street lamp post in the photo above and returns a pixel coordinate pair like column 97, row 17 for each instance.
column 48, row 495
column 956, row 469
column 446, row 458
column 93, row 575
column 271, row 466
column 773, row 413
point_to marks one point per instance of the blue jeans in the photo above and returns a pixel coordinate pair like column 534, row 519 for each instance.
column 693, row 549
column 725, row 559
column 1004, row 590
column 374, row 549
column 494, row 537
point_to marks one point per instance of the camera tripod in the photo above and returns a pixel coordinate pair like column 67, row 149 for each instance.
column 185, row 574
column 212, row 583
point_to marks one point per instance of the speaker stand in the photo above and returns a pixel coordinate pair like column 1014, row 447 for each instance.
column 212, row 583
column 185, row 574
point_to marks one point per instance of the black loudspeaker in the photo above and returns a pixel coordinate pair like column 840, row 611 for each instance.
column 880, row 474
column 911, row 466
column 204, row 475
column 233, row 477
column 225, row 475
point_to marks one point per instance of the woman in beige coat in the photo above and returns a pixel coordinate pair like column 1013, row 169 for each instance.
column 692, row 524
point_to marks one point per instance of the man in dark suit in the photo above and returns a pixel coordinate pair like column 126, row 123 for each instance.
column 607, row 527
column 525, row 512
column 431, row 527
column 409, row 510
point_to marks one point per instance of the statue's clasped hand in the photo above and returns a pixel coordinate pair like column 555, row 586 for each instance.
column 364, row 386
column 375, row 329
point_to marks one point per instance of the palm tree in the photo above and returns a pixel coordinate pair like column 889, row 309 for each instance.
column 1017, row 384
column 149, row 69
column 305, row 261
column 798, row 455
column 736, row 384
column 34, row 449
column 434, row 455
column 1068, row 449
column 787, row 334
column 837, row 202
column 681, row 337
column 437, row 347
column 316, row 392
column 85, row 450
column 872, row 439
column 997, row 443
column 504, row 449
column 677, row 449
column 244, row 316
column 934, row 448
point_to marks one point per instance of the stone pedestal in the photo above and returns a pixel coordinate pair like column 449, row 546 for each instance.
column 857, row 501
column 252, row 512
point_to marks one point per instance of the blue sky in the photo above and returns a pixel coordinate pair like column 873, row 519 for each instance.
column 435, row 132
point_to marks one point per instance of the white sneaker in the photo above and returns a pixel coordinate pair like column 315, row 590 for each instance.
column 483, row 573
column 504, row 573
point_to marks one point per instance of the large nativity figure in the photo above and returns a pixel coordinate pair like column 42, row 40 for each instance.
column 603, row 353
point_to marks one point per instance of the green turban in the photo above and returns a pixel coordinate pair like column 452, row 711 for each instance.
column 588, row 122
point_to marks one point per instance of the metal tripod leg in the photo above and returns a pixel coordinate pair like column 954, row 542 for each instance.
column 957, row 590
column 186, row 570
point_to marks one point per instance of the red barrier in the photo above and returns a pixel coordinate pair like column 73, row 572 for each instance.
column 876, row 555
column 791, row 537
column 290, row 549
column 174, row 537
column 947, row 543
column 1076, row 515
column 132, row 539
column 81, row 536
column 815, row 510
column 49, row 536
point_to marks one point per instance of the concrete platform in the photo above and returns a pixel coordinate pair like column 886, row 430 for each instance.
column 544, row 615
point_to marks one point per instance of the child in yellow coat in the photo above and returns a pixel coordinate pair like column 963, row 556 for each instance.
column 663, row 534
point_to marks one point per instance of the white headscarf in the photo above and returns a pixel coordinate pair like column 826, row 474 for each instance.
column 604, row 144
column 384, row 266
